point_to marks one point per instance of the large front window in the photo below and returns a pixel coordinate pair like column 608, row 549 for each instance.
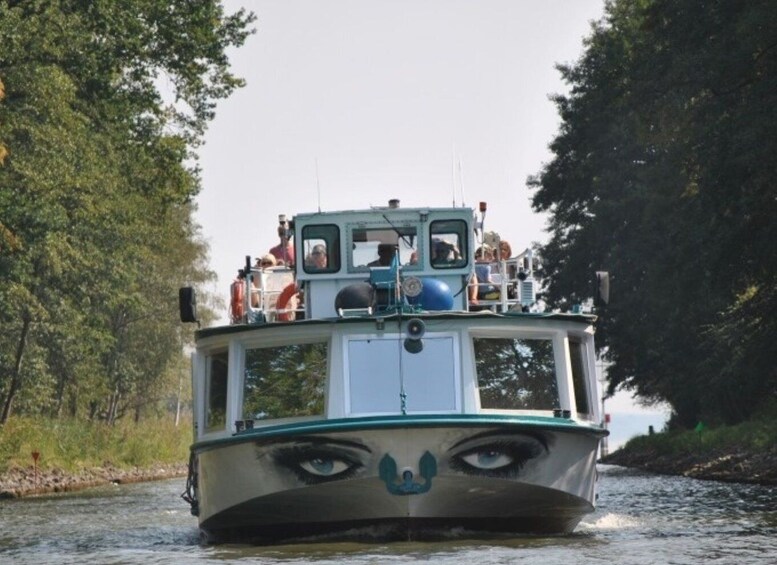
column 377, row 247
column 516, row 374
column 385, row 378
column 285, row 381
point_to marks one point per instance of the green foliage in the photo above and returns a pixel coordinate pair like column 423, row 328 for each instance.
column 285, row 381
column 663, row 175
column 755, row 436
column 97, row 178
column 73, row 445
column 516, row 373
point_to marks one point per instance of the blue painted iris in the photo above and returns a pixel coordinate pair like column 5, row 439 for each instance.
column 314, row 464
column 502, row 457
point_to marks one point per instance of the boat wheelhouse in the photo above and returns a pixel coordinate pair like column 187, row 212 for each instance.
column 361, row 393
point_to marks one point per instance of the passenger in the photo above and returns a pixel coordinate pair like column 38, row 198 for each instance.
column 268, row 260
column 444, row 253
column 505, row 254
column 317, row 259
column 264, row 263
column 482, row 287
column 284, row 251
column 413, row 258
column 505, row 251
column 385, row 255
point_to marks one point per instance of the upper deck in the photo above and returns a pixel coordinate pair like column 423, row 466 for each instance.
column 397, row 251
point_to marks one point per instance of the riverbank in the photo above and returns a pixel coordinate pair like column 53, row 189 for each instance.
column 39, row 456
column 730, row 463
column 26, row 481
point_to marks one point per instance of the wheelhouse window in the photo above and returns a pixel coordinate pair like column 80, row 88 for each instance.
column 448, row 244
column 516, row 374
column 285, row 381
column 321, row 248
column 216, row 392
column 577, row 354
column 377, row 247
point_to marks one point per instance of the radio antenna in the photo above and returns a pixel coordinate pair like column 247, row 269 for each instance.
column 453, row 174
column 318, row 187
column 461, row 183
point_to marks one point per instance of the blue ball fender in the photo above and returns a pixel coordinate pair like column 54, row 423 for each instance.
column 435, row 295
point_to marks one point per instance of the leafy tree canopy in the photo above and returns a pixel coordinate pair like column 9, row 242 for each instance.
column 97, row 178
column 663, row 174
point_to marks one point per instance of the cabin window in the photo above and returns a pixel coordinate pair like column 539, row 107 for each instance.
column 381, row 370
column 579, row 381
column 448, row 244
column 216, row 392
column 376, row 247
column 516, row 374
column 285, row 381
column 321, row 248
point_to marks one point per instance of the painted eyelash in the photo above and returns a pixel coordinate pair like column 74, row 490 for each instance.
column 520, row 452
column 293, row 457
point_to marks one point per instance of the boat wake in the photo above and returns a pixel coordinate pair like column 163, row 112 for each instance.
column 610, row 521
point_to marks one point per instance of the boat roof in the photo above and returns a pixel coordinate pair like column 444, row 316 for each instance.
column 573, row 318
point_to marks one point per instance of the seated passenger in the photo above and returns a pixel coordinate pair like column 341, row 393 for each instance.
column 444, row 253
column 482, row 287
column 264, row 263
column 317, row 259
column 385, row 255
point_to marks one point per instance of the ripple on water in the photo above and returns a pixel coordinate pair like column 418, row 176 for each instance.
column 641, row 518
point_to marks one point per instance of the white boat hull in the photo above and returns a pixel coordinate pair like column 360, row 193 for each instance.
column 412, row 482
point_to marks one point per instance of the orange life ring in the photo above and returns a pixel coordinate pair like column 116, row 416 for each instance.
column 237, row 300
column 286, row 295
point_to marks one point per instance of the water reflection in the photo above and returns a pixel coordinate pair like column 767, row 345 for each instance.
column 641, row 518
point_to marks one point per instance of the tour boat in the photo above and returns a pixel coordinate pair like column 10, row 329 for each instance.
column 360, row 393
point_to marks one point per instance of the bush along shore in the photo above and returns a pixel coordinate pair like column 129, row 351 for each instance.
column 50, row 456
column 745, row 453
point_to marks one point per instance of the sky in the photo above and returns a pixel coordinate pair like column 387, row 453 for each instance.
column 349, row 103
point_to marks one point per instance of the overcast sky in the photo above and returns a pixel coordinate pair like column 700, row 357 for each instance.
column 387, row 99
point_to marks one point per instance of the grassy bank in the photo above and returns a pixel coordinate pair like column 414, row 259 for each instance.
column 743, row 453
column 75, row 454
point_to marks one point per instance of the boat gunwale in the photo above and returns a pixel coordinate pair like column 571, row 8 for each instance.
column 337, row 425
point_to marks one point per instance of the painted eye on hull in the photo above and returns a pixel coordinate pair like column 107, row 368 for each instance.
column 324, row 466
column 504, row 458
column 316, row 464
column 487, row 459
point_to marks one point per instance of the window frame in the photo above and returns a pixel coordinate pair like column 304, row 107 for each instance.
column 329, row 235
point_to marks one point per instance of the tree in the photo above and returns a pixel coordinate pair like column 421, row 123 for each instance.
column 662, row 175
column 97, row 177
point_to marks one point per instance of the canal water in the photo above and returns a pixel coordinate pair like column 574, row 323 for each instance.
column 641, row 518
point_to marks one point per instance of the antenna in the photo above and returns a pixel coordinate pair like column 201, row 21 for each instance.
column 318, row 187
column 453, row 174
column 461, row 183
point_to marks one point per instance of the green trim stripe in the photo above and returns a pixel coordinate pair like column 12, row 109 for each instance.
column 416, row 421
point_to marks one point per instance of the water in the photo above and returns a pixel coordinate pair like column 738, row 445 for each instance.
column 641, row 518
